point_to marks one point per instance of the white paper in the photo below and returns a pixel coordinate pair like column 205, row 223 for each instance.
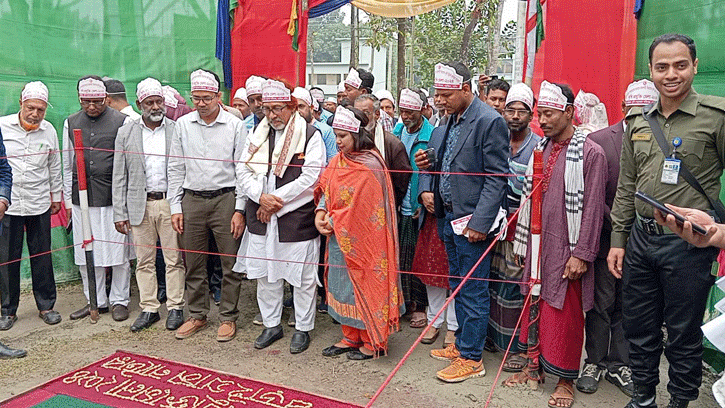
column 714, row 330
column 459, row 224
column 721, row 283
column 720, row 306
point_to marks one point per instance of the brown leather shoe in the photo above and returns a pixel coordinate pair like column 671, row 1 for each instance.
column 190, row 327
column 85, row 311
column 119, row 313
column 226, row 331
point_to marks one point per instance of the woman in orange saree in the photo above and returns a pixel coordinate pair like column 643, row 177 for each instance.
column 356, row 210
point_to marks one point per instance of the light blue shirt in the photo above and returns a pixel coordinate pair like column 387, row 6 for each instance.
column 328, row 136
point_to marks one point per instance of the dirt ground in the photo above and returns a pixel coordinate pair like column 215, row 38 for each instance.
column 55, row 350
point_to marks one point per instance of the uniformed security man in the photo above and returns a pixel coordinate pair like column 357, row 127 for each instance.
column 665, row 279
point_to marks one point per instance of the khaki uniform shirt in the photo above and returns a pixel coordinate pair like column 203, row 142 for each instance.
column 700, row 123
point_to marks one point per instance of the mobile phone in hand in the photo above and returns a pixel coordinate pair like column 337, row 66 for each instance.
column 664, row 210
column 430, row 154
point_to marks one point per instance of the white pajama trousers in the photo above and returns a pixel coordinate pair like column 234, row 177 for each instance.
column 120, row 285
column 270, row 296
column 436, row 299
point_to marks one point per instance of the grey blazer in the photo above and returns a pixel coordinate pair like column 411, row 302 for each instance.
column 129, row 171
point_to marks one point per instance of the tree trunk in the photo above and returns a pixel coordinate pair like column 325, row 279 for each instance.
column 402, row 31
column 468, row 31
column 493, row 46
column 354, row 37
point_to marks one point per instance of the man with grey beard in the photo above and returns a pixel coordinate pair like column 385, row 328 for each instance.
column 139, row 204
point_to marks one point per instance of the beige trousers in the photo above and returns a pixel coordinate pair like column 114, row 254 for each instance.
column 156, row 224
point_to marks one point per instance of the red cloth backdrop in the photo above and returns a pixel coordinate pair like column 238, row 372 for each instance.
column 261, row 45
column 589, row 45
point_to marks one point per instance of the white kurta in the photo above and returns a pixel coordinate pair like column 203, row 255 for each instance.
column 102, row 228
column 283, row 260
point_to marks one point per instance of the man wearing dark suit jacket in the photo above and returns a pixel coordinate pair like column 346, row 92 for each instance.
column 139, row 204
column 476, row 142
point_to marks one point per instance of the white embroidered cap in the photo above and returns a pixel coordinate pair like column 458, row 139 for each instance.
column 551, row 96
column 303, row 95
column 353, row 79
column 410, row 100
column 521, row 93
column 203, row 81
column 241, row 94
column 447, row 78
column 275, row 91
column 149, row 87
column 345, row 120
column 34, row 90
column 590, row 111
column 91, row 88
column 317, row 94
column 385, row 94
column 331, row 99
column 170, row 96
column 254, row 85
column 341, row 87
column 641, row 93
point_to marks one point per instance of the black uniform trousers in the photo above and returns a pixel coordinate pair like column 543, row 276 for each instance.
column 666, row 280
column 605, row 344
column 41, row 267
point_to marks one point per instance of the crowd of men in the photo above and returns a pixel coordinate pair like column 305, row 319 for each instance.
column 239, row 180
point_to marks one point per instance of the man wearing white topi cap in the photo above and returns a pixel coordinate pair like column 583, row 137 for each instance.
column 139, row 204
column 204, row 195
column 99, row 124
column 241, row 102
column 284, row 159
column 31, row 145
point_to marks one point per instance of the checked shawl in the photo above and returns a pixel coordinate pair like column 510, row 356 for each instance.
column 574, row 193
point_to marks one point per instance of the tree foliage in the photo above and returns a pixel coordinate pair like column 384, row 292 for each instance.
column 325, row 32
column 440, row 33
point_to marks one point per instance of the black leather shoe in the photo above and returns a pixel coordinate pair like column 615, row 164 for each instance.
column 119, row 313
column 7, row 353
column 86, row 311
column 333, row 351
column 358, row 355
column 6, row 322
column 144, row 321
column 268, row 336
column 300, row 342
column 50, row 317
column 175, row 319
column 677, row 403
column 644, row 397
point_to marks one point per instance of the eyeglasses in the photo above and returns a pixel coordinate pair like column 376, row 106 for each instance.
column 205, row 99
column 96, row 102
column 276, row 109
column 512, row 112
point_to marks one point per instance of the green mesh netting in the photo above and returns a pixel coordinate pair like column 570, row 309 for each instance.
column 58, row 41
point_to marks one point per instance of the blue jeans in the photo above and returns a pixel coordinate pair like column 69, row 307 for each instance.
column 472, row 302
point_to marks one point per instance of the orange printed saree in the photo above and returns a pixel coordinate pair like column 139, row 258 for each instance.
column 362, row 282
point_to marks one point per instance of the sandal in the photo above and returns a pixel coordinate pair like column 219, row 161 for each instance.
column 418, row 320
column 525, row 377
column 564, row 392
column 515, row 363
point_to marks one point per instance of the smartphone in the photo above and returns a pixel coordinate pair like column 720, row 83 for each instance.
column 430, row 154
column 664, row 210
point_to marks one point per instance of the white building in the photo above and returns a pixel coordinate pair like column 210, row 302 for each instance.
column 327, row 75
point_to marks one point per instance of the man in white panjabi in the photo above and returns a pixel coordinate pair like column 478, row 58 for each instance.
column 99, row 124
column 280, row 213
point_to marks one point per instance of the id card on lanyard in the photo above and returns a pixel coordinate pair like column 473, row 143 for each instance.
column 671, row 167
